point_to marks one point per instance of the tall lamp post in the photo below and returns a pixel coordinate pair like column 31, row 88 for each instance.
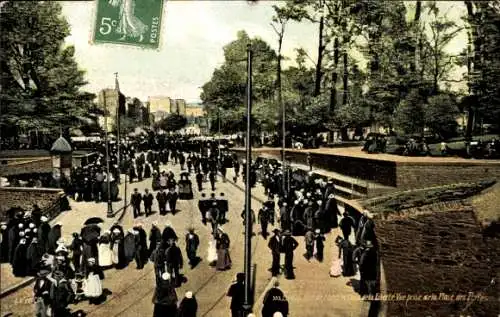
column 118, row 127
column 106, row 141
column 247, row 306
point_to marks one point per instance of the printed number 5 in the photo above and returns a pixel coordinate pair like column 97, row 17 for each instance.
column 105, row 28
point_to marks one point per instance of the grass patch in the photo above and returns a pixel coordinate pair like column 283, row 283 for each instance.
column 394, row 203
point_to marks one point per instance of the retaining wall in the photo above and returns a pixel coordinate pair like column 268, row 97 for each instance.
column 438, row 250
column 51, row 200
column 403, row 175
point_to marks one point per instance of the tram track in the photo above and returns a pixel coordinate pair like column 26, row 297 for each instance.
column 208, row 281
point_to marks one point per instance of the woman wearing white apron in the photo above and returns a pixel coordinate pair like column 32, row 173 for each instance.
column 105, row 254
column 92, row 285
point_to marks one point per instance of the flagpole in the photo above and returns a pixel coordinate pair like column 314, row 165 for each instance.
column 110, row 207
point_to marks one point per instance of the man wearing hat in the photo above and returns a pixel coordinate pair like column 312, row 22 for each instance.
column 366, row 257
column 192, row 243
column 174, row 262
column 274, row 245
column 135, row 200
column 223, row 206
column 203, row 207
column 289, row 246
column 346, row 224
column 263, row 219
column 161, row 197
column 148, row 202
column 41, row 292
column 274, row 301
column 199, row 180
column 237, row 294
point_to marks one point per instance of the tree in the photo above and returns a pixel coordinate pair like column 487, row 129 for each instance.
column 443, row 31
column 483, row 63
column 127, row 125
column 440, row 114
column 172, row 122
column 409, row 115
column 40, row 79
column 313, row 12
column 226, row 90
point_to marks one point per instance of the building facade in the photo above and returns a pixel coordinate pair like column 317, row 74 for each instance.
column 160, row 103
column 113, row 104
column 163, row 104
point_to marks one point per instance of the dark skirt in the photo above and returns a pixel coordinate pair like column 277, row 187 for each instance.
column 161, row 310
column 223, row 259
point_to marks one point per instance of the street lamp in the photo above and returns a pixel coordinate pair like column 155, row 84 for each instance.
column 247, row 306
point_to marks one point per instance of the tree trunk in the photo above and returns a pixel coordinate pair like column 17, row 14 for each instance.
column 321, row 48
column 333, row 89
column 471, row 66
column 345, row 78
column 414, row 67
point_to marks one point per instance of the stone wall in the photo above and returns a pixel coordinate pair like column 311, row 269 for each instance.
column 39, row 165
column 51, row 201
column 403, row 175
column 410, row 176
column 438, row 249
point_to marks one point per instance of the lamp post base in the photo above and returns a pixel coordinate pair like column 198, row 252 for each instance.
column 247, row 309
column 109, row 214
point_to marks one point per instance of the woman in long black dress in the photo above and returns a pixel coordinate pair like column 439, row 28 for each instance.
column 165, row 297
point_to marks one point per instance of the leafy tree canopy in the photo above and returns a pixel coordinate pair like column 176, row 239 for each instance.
column 40, row 79
column 172, row 122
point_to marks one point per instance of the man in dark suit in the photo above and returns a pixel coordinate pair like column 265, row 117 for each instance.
column 161, row 197
column 237, row 294
column 148, row 202
column 135, row 200
column 202, row 206
column 275, row 246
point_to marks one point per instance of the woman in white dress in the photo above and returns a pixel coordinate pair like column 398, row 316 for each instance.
column 212, row 252
column 105, row 254
column 92, row 285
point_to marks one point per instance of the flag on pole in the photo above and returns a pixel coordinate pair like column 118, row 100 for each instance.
column 117, row 85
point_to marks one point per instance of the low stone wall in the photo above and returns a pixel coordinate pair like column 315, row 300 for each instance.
column 382, row 172
column 51, row 200
column 413, row 175
column 438, row 250
column 403, row 175
column 38, row 165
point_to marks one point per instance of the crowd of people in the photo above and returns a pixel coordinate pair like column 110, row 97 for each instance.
column 306, row 207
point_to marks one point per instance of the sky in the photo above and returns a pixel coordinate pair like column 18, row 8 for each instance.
column 192, row 37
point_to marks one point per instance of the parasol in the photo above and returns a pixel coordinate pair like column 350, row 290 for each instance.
column 90, row 233
column 93, row 220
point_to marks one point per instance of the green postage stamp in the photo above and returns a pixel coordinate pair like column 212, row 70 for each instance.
column 129, row 22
